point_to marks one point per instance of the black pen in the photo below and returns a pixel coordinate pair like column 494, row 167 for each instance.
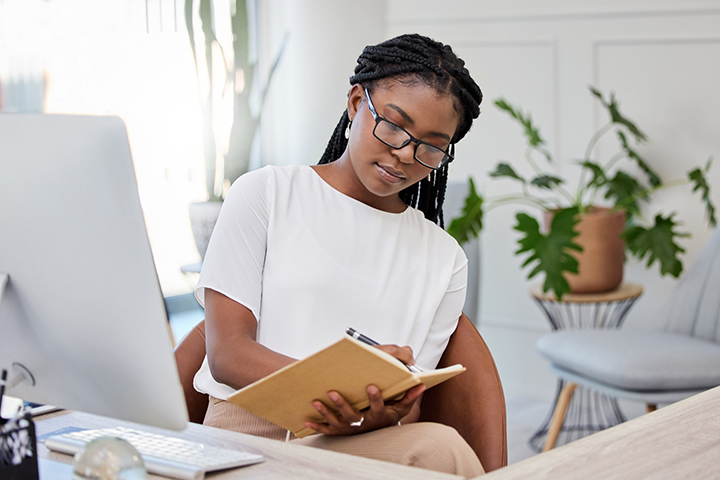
column 369, row 341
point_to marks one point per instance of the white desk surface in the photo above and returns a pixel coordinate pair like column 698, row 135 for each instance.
column 681, row 440
column 283, row 460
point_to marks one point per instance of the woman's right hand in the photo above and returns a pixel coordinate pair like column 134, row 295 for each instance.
column 404, row 354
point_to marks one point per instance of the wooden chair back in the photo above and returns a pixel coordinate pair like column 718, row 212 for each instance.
column 473, row 402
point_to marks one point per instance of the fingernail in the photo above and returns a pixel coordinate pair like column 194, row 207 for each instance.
column 317, row 406
column 373, row 390
column 333, row 396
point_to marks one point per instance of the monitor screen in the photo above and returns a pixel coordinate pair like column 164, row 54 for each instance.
column 82, row 310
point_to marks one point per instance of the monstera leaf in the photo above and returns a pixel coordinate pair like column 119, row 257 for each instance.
column 504, row 170
column 697, row 177
column 631, row 153
column 532, row 133
column 469, row 223
column 551, row 252
column 624, row 189
column 546, row 181
column 657, row 243
column 599, row 177
column 616, row 117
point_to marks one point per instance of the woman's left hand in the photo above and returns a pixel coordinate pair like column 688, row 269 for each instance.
column 349, row 421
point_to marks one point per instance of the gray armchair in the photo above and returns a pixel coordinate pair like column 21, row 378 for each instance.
column 658, row 367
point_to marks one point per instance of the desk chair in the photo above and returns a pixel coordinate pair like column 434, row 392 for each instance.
column 648, row 366
column 473, row 402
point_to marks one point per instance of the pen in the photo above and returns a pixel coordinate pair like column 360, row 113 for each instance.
column 369, row 341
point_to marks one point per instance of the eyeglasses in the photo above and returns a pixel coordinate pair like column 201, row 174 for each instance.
column 397, row 137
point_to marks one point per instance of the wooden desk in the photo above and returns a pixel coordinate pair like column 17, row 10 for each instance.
column 283, row 460
column 681, row 440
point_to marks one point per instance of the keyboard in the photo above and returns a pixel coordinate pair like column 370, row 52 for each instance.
column 163, row 455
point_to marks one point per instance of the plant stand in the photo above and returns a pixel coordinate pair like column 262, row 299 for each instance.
column 588, row 411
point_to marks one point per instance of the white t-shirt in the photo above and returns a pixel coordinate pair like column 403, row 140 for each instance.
column 309, row 261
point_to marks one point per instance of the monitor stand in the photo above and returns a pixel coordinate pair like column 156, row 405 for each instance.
column 19, row 372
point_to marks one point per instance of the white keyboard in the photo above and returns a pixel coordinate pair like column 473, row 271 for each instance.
column 163, row 455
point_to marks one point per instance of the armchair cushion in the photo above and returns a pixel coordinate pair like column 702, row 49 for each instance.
column 634, row 360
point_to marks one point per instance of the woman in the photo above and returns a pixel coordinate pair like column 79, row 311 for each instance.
column 301, row 253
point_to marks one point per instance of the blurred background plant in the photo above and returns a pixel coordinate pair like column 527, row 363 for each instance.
column 224, row 42
column 223, row 39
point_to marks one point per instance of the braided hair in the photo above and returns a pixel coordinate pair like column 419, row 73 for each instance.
column 409, row 58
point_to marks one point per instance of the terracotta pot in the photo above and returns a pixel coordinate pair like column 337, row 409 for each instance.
column 601, row 262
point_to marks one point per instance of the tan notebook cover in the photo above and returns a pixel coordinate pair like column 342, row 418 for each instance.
column 348, row 367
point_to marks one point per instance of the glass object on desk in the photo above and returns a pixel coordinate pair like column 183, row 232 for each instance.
column 109, row 458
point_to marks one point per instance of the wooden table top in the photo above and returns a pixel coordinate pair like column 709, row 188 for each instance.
column 283, row 460
column 681, row 440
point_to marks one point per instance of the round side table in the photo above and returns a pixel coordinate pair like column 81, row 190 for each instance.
column 589, row 411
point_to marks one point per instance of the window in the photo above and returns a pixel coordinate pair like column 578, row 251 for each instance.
column 129, row 58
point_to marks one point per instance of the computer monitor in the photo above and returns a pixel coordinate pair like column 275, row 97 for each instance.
column 82, row 310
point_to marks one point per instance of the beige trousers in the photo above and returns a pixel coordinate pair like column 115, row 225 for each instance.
column 425, row 445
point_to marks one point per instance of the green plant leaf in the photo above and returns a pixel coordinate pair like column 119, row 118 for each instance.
column 652, row 176
column 469, row 224
column 505, row 170
column 599, row 178
column 657, row 243
column 551, row 251
column 623, row 189
column 546, row 181
column 697, row 177
column 615, row 115
column 531, row 132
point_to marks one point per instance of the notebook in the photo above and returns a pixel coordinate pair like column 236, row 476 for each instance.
column 347, row 367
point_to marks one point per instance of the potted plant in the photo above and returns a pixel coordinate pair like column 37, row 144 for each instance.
column 588, row 230
column 226, row 82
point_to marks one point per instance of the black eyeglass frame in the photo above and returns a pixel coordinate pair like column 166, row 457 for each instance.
column 449, row 157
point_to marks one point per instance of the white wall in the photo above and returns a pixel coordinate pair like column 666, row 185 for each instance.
column 309, row 94
column 659, row 57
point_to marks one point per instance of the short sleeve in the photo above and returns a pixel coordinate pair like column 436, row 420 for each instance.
column 447, row 314
column 235, row 257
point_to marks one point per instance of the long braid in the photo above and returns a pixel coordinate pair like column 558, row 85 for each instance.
column 337, row 144
column 437, row 66
column 428, row 195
